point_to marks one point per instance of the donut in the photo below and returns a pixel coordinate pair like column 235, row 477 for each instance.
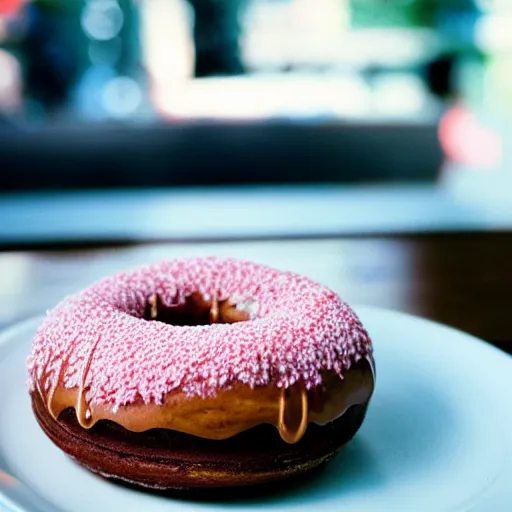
column 201, row 373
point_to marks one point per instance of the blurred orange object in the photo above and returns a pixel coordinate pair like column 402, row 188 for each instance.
column 10, row 7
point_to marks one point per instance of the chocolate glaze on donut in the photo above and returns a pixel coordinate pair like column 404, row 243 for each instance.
column 201, row 352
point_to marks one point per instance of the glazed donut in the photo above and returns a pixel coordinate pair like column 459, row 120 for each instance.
column 176, row 374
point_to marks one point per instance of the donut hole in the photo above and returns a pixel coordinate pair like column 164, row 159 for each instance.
column 194, row 310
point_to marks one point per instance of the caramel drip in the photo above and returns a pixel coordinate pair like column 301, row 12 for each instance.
column 293, row 417
column 51, row 394
column 83, row 413
column 214, row 311
column 232, row 411
column 153, row 303
column 44, row 375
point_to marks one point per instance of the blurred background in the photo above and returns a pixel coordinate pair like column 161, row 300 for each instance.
column 177, row 118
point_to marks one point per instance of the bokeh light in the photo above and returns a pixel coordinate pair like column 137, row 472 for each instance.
column 102, row 19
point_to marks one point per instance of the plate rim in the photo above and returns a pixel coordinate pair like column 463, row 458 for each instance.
column 12, row 329
column 469, row 338
column 8, row 335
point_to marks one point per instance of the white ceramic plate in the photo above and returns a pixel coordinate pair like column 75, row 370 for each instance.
column 438, row 436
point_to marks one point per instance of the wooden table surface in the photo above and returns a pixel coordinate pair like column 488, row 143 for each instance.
column 463, row 280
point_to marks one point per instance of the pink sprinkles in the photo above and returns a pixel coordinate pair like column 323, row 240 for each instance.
column 297, row 328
